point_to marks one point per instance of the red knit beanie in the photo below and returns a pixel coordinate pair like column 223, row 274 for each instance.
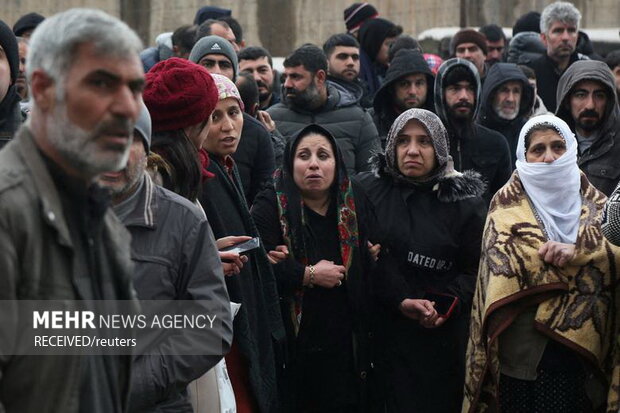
column 179, row 93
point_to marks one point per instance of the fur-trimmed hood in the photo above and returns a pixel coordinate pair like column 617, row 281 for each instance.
column 452, row 187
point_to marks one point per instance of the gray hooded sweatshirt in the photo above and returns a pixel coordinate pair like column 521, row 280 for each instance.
column 600, row 162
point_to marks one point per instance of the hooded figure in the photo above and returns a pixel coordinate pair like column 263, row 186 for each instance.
column 10, row 113
column 372, row 34
column 599, row 153
column 472, row 146
column 384, row 111
column 430, row 228
column 498, row 75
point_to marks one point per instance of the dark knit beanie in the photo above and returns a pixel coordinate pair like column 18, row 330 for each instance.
column 210, row 12
column 529, row 22
column 179, row 93
column 28, row 21
column 357, row 13
column 468, row 36
column 458, row 74
column 9, row 44
column 215, row 45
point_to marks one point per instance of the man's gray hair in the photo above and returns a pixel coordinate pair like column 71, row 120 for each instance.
column 55, row 42
column 560, row 11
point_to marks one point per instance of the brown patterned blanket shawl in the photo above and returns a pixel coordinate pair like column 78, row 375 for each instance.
column 576, row 303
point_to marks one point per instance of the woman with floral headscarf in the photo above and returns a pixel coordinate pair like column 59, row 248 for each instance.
column 543, row 317
column 313, row 216
column 430, row 221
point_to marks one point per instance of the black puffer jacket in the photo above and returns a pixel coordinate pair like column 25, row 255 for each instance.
column 254, row 157
column 483, row 150
column 499, row 74
column 341, row 115
column 600, row 161
column 175, row 257
column 525, row 47
column 406, row 62
column 548, row 76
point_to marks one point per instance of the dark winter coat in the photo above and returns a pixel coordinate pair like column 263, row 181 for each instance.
column 525, row 47
column 429, row 243
column 350, row 372
column 406, row 62
column 499, row 74
column 254, row 157
column 600, row 162
column 40, row 260
column 482, row 150
column 258, row 329
column 175, row 257
column 342, row 116
column 10, row 116
column 548, row 76
column 356, row 88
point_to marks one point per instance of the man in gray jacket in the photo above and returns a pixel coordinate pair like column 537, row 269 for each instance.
column 310, row 98
column 175, row 258
column 588, row 103
column 58, row 238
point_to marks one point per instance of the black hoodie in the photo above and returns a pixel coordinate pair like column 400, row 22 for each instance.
column 406, row 62
column 483, row 150
column 499, row 74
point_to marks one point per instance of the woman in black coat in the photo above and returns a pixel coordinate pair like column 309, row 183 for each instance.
column 313, row 218
column 430, row 227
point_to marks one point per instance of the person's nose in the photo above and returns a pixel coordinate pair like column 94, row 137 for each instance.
column 288, row 83
column 226, row 123
column 589, row 104
column 413, row 149
column 549, row 156
column 126, row 103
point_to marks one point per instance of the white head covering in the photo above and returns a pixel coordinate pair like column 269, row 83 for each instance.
column 554, row 188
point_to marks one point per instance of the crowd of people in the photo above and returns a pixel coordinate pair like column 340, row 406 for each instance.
column 427, row 234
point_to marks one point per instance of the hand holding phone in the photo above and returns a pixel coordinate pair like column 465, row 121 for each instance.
column 444, row 303
column 244, row 246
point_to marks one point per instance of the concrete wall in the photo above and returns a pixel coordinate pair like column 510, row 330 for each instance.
column 282, row 25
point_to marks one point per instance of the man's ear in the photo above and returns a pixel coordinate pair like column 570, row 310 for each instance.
column 43, row 90
column 320, row 76
column 543, row 38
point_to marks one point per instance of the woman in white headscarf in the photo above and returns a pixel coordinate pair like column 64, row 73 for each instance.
column 543, row 321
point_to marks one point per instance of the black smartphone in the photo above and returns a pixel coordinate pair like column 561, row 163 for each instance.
column 243, row 246
column 444, row 303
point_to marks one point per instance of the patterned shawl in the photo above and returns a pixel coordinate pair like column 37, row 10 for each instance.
column 576, row 303
column 292, row 216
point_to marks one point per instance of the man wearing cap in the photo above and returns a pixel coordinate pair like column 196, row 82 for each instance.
column 254, row 156
column 176, row 258
column 356, row 14
column 59, row 240
column 408, row 84
column 10, row 113
column 472, row 146
column 471, row 45
column 25, row 25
